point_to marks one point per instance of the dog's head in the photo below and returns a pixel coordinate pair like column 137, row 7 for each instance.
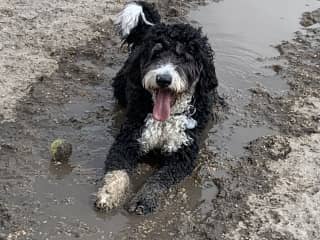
column 174, row 60
column 166, row 60
column 167, row 71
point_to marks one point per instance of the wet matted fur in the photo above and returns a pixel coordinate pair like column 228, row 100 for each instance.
column 168, row 86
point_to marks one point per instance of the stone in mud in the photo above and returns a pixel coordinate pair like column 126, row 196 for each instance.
column 273, row 147
column 60, row 150
column 173, row 12
column 310, row 18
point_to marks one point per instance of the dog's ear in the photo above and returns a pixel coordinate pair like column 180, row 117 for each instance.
column 131, row 69
column 133, row 61
column 135, row 20
column 208, row 79
column 204, row 56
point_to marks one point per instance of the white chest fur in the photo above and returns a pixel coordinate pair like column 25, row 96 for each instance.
column 169, row 135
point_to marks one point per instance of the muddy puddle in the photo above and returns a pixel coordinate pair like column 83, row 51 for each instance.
column 243, row 34
column 82, row 110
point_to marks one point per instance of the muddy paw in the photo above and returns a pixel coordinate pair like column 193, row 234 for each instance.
column 142, row 205
column 105, row 201
column 113, row 191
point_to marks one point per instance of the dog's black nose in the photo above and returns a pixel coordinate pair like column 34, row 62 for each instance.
column 164, row 80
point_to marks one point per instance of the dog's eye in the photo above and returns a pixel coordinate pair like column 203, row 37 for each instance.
column 156, row 49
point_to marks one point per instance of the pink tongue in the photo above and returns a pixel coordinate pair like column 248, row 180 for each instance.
column 161, row 109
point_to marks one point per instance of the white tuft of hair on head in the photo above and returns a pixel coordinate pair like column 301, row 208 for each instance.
column 129, row 17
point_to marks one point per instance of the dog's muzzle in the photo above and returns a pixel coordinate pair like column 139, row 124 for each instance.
column 165, row 83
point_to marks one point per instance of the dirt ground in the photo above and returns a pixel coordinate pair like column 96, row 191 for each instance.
column 57, row 60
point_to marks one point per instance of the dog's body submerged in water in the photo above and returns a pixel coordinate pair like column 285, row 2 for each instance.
column 168, row 85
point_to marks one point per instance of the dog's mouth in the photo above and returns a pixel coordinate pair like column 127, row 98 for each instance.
column 164, row 100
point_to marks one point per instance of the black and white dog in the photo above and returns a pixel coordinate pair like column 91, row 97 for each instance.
column 168, row 85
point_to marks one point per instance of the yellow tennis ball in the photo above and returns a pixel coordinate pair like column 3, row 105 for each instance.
column 60, row 150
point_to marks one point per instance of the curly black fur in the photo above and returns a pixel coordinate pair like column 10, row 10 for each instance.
column 192, row 48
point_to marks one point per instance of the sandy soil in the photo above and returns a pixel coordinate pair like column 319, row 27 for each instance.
column 32, row 34
column 290, row 210
column 57, row 60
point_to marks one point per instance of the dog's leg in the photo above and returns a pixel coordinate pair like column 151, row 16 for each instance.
column 175, row 169
column 113, row 191
column 121, row 160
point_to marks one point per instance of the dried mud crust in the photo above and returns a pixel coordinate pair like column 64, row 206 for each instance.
column 290, row 209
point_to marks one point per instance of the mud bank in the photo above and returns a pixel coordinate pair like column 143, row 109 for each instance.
column 290, row 209
column 59, row 59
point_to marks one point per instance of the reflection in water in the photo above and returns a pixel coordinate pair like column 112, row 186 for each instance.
column 243, row 32
column 60, row 169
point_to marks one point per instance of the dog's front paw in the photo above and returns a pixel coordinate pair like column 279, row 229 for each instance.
column 105, row 201
column 113, row 191
column 143, row 204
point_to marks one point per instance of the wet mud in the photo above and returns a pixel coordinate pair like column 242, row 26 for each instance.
column 257, row 175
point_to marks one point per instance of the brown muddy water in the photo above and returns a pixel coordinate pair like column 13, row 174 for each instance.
column 242, row 33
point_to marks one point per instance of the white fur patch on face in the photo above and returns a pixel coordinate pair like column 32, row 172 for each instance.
column 169, row 135
column 178, row 85
column 112, row 193
column 129, row 17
